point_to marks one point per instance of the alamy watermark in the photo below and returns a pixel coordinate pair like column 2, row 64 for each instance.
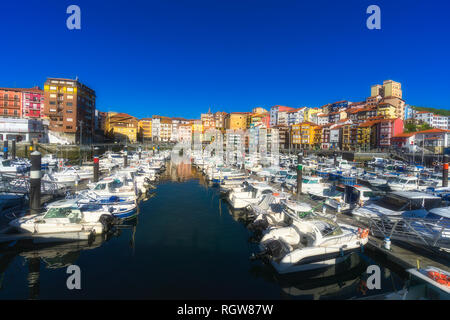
column 233, row 147
column 374, row 20
column 73, row 22
column 74, row 280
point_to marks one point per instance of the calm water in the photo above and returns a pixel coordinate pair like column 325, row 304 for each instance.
column 185, row 244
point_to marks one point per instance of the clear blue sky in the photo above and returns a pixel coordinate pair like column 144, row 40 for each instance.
column 178, row 58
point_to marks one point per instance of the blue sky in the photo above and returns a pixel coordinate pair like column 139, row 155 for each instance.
column 179, row 58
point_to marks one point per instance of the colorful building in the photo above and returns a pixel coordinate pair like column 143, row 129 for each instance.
column 121, row 127
column 274, row 114
column 236, row 121
column 386, row 110
column 70, row 107
column 305, row 135
column 145, row 129
column 11, row 102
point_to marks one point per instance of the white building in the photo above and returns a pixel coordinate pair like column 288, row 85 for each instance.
column 296, row 116
column 335, row 136
column 185, row 132
column 434, row 120
column 156, row 129
column 23, row 130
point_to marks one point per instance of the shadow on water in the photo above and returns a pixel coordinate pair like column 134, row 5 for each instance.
column 185, row 243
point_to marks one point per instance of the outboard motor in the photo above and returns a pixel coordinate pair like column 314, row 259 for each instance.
column 259, row 225
column 274, row 248
column 107, row 221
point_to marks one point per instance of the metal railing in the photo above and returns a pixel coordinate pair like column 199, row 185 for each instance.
column 429, row 233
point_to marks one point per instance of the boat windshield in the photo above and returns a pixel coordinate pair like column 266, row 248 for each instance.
column 67, row 212
column 6, row 163
column 115, row 184
column 100, row 186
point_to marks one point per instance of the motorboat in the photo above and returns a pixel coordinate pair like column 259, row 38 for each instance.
column 310, row 244
column 8, row 166
column 352, row 197
column 253, row 193
column 61, row 217
column 409, row 204
column 407, row 183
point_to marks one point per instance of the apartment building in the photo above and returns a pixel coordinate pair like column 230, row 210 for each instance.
column 121, row 127
column 166, row 129
column 296, row 116
column 10, row 102
column 185, row 132
column 70, row 107
column 434, row 120
column 145, row 129
column 236, row 121
column 274, row 114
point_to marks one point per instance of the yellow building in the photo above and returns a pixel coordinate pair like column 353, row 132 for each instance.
column 309, row 112
column 392, row 89
column 197, row 130
column 237, row 121
column 145, row 129
column 122, row 127
column 166, row 129
column 364, row 135
column 386, row 110
column 306, row 134
column 389, row 89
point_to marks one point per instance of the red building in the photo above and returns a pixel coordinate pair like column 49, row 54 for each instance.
column 386, row 129
column 32, row 103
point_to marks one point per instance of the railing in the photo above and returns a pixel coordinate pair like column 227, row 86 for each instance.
column 430, row 233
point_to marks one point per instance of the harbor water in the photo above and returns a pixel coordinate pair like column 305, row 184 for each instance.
column 185, row 243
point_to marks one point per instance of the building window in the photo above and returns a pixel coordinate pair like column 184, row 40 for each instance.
column 5, row 111
column 69, row 104
column 52, row 102
column 69, row 127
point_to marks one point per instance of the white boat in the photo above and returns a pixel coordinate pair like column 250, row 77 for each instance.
column 278, row 211
column 410, row 204
column 310, row 244
column 353, row 197
column 7, row 166
column 408, row 183
column 61, row 217
column 253, row 193
column 115, row 186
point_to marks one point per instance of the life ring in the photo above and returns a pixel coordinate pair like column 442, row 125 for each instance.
column 434, row 164
column 275, row 194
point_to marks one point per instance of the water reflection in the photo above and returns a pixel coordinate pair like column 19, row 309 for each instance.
column 212, row 241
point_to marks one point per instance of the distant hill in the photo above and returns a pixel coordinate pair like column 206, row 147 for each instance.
column 441, row 112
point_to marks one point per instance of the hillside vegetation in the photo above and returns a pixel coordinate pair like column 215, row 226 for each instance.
column 441, row 112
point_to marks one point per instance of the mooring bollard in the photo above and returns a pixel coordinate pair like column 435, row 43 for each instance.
column 125, row 158
column 13, row 149
column 445, row 172
column 5, row 149
column 35, row 182
column 96, row 164
column 299, row 175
